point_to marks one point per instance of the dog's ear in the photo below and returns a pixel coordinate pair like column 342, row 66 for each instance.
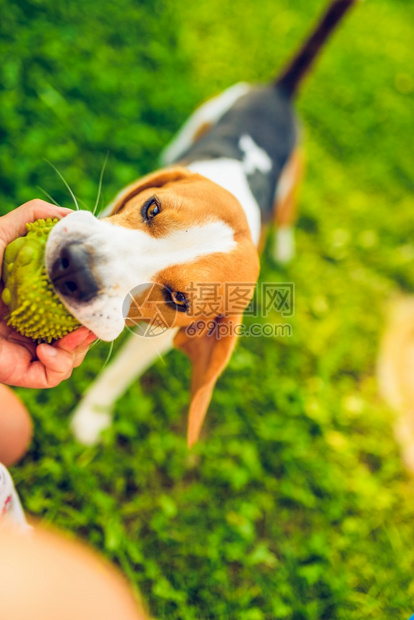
column 155, row 179
column 209, row 346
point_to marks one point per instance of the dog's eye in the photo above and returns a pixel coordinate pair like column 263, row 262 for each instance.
column 151, row 208
column 179, row 299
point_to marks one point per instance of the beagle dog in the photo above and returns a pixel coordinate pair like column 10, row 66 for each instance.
column 233, row 166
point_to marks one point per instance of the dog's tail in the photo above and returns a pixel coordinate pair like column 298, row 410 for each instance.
column 293, row 74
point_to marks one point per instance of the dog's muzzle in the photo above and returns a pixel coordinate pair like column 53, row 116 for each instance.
column 86, row 261
column 71, row 273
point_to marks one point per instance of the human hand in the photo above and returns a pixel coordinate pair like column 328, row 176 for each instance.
column 13, row 224
column 22, row 362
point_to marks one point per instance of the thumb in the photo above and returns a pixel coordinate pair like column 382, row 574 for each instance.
column 58, row 363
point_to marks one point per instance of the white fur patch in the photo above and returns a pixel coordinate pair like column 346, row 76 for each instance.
column 255, row 158
column 230, row 174
column 122, row 258
column 284, row 249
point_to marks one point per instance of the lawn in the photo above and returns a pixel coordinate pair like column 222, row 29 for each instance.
column 295, row 503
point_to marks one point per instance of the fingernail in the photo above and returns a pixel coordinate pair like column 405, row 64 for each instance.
column 51, row 351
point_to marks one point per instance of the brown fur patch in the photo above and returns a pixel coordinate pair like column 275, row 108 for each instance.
column 201, row 131
column 285, row 206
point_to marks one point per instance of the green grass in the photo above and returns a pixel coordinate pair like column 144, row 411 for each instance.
column 295, row 504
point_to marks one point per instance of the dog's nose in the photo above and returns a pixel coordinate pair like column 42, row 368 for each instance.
column 71, row 274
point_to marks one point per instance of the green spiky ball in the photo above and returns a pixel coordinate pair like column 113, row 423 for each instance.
column 34, row 308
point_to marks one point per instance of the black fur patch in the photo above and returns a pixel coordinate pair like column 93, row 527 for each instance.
column 266, row 115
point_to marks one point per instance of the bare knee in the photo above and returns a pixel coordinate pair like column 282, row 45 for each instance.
column 15, row 427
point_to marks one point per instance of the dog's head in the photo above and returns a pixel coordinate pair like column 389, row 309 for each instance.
column 180, row 231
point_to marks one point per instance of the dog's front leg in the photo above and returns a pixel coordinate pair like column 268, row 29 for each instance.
column 94, row 412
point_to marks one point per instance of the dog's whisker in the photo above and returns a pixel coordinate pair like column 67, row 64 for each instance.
column 108, row 357
column 48, row 195
column 65, row 182
column 95, row 343
column 83, row 203
column 98, row 197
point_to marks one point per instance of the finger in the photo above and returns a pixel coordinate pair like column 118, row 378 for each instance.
column 91, row 338
column 15, row 359
column 13, row 224
column 65, row 354
column 53, row 365
column 81, row 337
column 81, row 350
column 58, row 364
column 80, row 356
column 19, row 368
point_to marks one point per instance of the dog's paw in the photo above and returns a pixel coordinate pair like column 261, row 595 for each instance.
column 89, row 421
